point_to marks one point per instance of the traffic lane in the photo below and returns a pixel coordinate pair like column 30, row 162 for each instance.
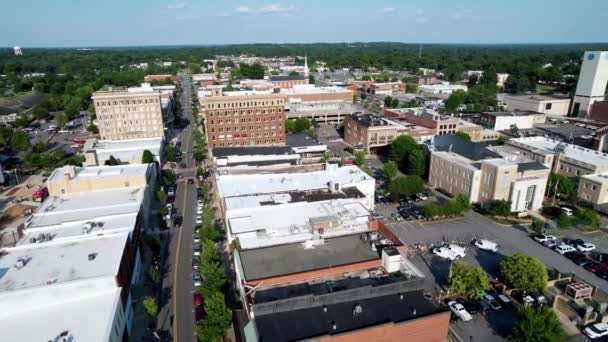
column 511, row 240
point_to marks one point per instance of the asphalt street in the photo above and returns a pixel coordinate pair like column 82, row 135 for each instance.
column 182, row 241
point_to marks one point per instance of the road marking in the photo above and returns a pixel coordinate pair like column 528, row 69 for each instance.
column 179, row 240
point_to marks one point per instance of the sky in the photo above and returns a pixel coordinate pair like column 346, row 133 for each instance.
column 86, row 23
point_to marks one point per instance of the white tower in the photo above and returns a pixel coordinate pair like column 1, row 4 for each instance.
column 592, row 82
column 17, row 51
column 306, row 71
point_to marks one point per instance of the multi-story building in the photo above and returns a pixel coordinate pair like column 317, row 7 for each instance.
column 484, row 174
column 97, row 152
column 502, row 121
column 133, row 113
column 443, row 88
column 244, row 118
column 79, row 255
column 323, row 104
column 553, row 105
column 593, row 188
column 288, row 81
column 563, row 158
column 370, row 132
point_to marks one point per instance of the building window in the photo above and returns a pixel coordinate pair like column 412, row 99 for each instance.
column 548, row 106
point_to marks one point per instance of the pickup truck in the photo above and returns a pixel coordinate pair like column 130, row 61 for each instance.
column 450, row 252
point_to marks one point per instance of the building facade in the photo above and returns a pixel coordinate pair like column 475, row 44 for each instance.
column 552, row 105
column 133, row 113
column 241, row 120
column 592, row 81
column 502, row 121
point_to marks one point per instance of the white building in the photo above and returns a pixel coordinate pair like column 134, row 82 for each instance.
column 444, row 88
column 551, row 105
column 592, row 82
column 502, row 121
column 97, row 152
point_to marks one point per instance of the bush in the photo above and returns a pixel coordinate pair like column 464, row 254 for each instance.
column 588, row 217
column 150, row 306
column 563, row 221
column 537, row 226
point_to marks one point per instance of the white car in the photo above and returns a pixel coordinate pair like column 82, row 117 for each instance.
column 563, row 249
column 566, row 211
column 450, row 252
column 585, row 247
column 196, row 279
column 596, row 330
column 422, row 197
column 460, row 311
column 486, row 245
column 543, row 237
column 199, row 220
column 552, row 243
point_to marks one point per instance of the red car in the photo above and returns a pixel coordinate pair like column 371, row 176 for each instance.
column 595, row 267
column 198, row 299
column 79, row 141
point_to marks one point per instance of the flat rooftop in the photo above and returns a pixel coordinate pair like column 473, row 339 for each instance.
column 85, row 309
column 242, row 185
column 129, row 170
column 240, row 202
column 597, row 178
column 281, row 260
column 125, row 145
column 313, row 322
column 467, row 149
column 537, row 97
column 371, row 120
column 301, row 89
column 222, row 152
column 577, row 153
column 513, row 113
column 58, row 262
column 86, row 206
column 300, row 140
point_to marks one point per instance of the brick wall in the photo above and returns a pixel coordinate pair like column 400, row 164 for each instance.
column 377, row 225
column 427, row 329
column 411, row 118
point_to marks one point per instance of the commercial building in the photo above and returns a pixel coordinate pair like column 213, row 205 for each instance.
column 592, row 82
column 484, row 174
column 307, row 147
column 370, row 132
column 97, row 152
column 323, row 104
column 565, row 159
column 502, row 121
column 388, row 88
column 133, row 113
column 253, row 158
column 244, row 118
column 443, row 88
column 552, row 105
column 288, row 81
column 79, row 255
column 594, row 188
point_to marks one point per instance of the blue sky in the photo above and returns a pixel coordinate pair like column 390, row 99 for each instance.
column 53, row 23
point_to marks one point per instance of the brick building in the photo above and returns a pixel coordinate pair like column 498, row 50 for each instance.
column 288, row 81
column 239, row 120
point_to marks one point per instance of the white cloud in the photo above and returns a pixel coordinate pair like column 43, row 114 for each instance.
column 462, row 14
column 387, row 10
column 177, row 5
column 271, row 9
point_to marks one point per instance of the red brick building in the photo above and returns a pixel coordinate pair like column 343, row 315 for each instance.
column 244, row 120
column 288, row 81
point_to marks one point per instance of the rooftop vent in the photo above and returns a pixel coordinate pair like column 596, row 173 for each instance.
column 357, row 310
column 334, row 326
column 92, row 256
column 324, row 308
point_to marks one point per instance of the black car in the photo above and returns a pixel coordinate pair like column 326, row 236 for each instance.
column 471, row 307
column 196, row 262
column 177, row 220
column 574, row 255
column 602, row 274
column 583, row 261
column 190, row 181
column 573, row 242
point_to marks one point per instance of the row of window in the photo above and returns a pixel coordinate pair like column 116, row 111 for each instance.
column 236, row 120
column 243, row 142
column 125, row 102
column 244, row 135
column 243, row 104
column 243, row 128
column 257, row 111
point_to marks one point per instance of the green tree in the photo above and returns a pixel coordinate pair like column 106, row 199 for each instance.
column 300, row 125
column 209, row 252
column 408, row 155
column 171, row 153
column 524, row 273
column 359, row 158
column 500, row 208
column 405, row 186
column 390, row 170
column 537, row 324
column 416, row 162
column 93, row 129
column 464, row 201
column 153, row 275
column 563, row 221
column 311, row 79
column 217, row 319
column 588, row 217
column 455, row 99
column 514, row 130
column 537, row 226
column 61, row 120
column 468, row 280
column 112, row 161
column 20, row 141
column 325, row 157
column 147, row 157
column 432, row 210
column 150, row 306
column 562, row 186
column 388, row 101
column 463, row 135
column 161, row 196
column 213, row 276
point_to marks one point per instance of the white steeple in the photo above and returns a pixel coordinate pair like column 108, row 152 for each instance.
column 306, row 71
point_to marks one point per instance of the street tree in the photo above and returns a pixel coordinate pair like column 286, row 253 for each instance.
column 405, row 186
column 537, row 226
column 217, row 319
column 171, row 153
column 468, row 280
column 524, row 273
column 325, row 157
column 213, row 276
column 61, row 119
column 390, row 170
column 537, row 324
column 150, row 306
column 161, row 196
column 20, row 141
column 455, row 99
column 563, row 221
column 359, row 158
column 147, row 157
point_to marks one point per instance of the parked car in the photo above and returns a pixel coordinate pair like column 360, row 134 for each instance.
column 594, row 267
column 196, row 261
column 566, row 211
column 596, row 330
column 197, row 238
column 178, row 220
column 196, row 279
column 397, row 217
column 199, row 220
column 197, row 249
column 199, row 315
column 552, row 243
column 422, row 197
column 450, row 252
column 586, row 247
column 459, row 310
column 582, row 262
column 171, row 192
column 563, row 249
column 198, row 299
column 489, row 299
column 190, row 181
column 504, row 300
column 486, row 245
column 471, row 306
column 543, row 237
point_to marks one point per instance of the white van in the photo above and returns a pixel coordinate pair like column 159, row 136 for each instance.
column 566, row 211
column 563, row 249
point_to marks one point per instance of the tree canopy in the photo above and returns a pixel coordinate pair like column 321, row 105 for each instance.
column 408, row 155
column 405, row 186
column 524, row 273
column 537, row 324
column 469, row 280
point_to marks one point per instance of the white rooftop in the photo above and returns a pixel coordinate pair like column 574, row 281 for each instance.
column 85, row 309
column 458, row 159
column 312, row 89
column 86, row 206
column 574, row 152
column 129, row 170
column 242, row 185
column 601, row 178
column 58, row 262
